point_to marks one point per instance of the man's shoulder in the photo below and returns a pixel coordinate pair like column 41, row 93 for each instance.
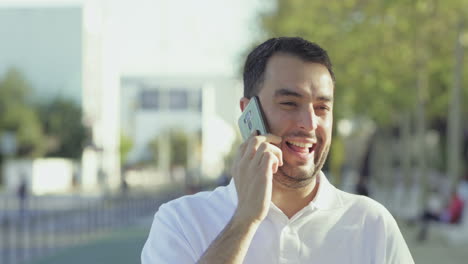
column 364, row 205
column 183, row 228
column 199, row 204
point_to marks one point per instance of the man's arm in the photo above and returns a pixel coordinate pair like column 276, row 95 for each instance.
column 252, row 171
column 232, row 243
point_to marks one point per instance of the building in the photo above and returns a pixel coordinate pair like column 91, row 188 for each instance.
column 60, row 47
column 201, row 107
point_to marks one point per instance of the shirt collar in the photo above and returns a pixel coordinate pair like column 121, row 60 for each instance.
column 327, row 196
column 325, row 199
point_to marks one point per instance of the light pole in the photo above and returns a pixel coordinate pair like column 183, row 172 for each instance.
column 454, row 127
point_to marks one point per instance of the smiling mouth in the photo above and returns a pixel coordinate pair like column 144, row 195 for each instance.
column 301, row 147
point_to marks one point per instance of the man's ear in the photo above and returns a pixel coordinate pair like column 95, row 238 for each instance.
column 244, row 101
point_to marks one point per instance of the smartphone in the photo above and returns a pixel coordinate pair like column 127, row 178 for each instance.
column 252, row 119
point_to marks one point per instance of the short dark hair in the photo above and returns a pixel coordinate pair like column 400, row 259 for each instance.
column 255, row 64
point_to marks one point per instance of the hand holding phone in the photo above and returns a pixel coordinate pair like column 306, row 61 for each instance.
column 252, row 119
column 258, row 158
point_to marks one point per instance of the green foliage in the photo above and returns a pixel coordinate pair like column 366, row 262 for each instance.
column 50, row 129
column 126, row 144
column 154, row 150
column 380, row 50
column 19, row 116
column 66, row 134
column 179, row 145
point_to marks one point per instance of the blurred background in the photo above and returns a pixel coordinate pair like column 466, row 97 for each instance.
column 110, row 108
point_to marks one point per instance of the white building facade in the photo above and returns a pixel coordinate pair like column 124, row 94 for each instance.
column 152, row 106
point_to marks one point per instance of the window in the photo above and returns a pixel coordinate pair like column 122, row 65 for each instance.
column 178, row 99
column 149, row 100
column 199, row 101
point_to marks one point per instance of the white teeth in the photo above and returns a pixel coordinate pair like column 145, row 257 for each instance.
column 300, row 144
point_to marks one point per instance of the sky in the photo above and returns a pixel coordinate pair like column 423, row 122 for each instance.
column 170, row 37
column 47, row 54
column 181, row 36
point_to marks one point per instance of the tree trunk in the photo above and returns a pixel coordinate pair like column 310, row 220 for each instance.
column 422, row 85
column 454, row 129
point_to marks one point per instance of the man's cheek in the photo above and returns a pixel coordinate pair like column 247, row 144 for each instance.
column 277, row 125
column 328, row 124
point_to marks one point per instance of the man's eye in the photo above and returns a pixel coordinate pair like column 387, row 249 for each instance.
column 288, row 103
column 322, row 108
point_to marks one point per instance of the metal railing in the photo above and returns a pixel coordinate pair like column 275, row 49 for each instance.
column 49, row 224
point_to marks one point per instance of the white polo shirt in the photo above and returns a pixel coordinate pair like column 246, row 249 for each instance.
column 336, row 227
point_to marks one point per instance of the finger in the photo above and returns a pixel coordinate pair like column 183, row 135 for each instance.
column 254, row 142
column 274, row 164
column 252, row 147
column 254, row 133
column 241, row 150
column 268, row 163
column 262, row 148
column 270, row 138
column 277, row 151
column 270, row 158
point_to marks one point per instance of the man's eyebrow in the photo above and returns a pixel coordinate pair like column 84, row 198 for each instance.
column 325, row 98
column 287, row 92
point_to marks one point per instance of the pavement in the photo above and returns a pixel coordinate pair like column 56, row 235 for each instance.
column 436, row 249
column 123, row 246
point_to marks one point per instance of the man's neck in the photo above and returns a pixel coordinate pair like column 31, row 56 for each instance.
column 290, row 201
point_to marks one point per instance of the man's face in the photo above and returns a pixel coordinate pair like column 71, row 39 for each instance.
column 297, row 101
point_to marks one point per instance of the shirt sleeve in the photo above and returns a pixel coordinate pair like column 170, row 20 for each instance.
column 166, row 242
column 392, row 247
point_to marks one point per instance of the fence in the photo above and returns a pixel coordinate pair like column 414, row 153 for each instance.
column 49, row 224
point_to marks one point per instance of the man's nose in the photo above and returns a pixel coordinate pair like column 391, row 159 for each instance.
column 308, row 119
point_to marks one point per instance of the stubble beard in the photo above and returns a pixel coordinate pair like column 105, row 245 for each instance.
column 293, row 177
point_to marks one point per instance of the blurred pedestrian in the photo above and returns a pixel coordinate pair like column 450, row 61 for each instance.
column 451, row 214
column 362, row 186
column 463, row 188
column 124, row 186
column 22, row 194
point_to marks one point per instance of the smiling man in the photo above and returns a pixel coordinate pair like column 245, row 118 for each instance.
column 280, row 207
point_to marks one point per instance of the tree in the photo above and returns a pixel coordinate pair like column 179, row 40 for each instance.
column 125, row 146
column 382, row 51
column 154, row 150
column 179, row 144
column 393, row 59
column 66, row 134
column 19, row 116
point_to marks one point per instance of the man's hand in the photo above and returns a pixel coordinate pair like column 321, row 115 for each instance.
column 253, row 168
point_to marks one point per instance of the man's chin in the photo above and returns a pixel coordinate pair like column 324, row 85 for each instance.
column 296, row 172
column 302, row 167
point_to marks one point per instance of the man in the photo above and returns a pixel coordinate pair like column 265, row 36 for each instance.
column 280, row 207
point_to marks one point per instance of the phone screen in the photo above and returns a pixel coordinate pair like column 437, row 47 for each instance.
column 252, row 119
